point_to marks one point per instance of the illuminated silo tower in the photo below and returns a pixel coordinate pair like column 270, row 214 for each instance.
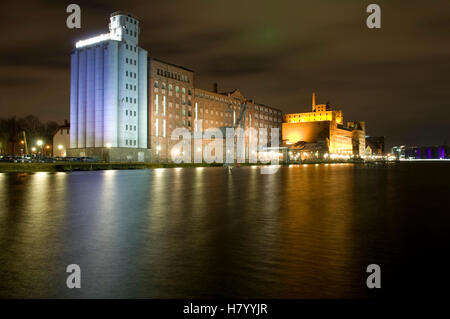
column 108, row 94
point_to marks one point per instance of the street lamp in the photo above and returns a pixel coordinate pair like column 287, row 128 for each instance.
column 39, row 143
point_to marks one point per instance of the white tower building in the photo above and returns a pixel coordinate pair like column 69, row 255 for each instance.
column 108, row 94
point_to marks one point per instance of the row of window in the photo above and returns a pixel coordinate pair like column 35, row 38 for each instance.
column 130, row 86
column 130, row 74
column 129, row 32
column 130, row 142
column 130, row 61
column 128, row 19
column 131, row 100
column 236, row 103
column 131, row 48
column 217, row 113
column 130, row 128
column 175, row 76
column 130, row 113
column 177, row 88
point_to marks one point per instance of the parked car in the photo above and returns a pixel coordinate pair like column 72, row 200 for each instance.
column 89, row 159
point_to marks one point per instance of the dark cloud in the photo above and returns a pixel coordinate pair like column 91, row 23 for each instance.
column 276, row 52
column 20, row 82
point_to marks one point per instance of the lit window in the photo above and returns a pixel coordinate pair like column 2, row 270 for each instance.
column 164, row 128
column 164, row 105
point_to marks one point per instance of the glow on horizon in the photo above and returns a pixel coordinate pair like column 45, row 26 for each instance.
column 99, row 38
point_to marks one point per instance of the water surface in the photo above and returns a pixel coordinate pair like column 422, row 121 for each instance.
column 305, row 232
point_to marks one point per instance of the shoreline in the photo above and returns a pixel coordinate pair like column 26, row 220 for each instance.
column 71, row 167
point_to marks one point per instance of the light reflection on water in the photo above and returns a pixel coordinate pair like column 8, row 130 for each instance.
column 307, row 231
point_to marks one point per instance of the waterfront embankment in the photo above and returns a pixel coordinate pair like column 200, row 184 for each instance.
column 77, row 166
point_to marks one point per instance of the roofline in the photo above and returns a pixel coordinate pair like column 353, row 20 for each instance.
column 116, row 13
column 225, row 94
column 172, row 64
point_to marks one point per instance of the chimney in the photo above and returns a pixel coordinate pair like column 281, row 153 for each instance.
column 215, row 87
column 314, row 101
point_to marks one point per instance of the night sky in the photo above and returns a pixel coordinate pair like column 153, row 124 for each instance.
column 396, row 78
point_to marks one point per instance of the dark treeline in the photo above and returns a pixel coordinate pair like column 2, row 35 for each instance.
column 11, row 131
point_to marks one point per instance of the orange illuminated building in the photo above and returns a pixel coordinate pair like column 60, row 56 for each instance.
column 323, row 127
column 320, row 112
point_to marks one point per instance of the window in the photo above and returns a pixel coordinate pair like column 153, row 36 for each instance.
column 155, row 84
column 164, row 128
column 170, row 87
column 163, row 85
column 183, row 90
column 177, row 89
column 156, row 127
column 156, row 103
column 164, row 105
